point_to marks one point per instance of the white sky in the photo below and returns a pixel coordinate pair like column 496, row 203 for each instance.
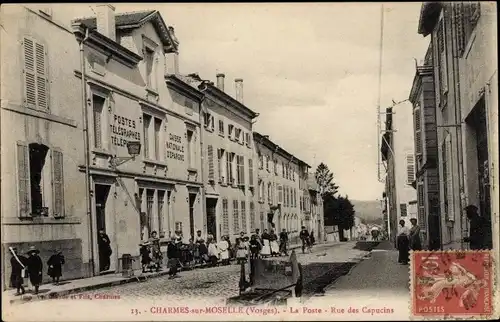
column 310, row 70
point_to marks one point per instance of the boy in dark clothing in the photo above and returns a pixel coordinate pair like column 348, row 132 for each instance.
column 173, row 257
column 283, row 242
column 255, row 247
column 55, row 264
column 145, row 257
column 35, row 267
column 304, row 236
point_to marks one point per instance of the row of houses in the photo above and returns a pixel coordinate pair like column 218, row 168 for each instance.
column 101, row 131
column 441, row 150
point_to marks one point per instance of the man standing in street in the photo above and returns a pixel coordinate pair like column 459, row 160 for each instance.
column 304, row 236
column 477, row 228
column 105, row 251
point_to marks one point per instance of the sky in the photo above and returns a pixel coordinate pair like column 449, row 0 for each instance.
column 309, row 70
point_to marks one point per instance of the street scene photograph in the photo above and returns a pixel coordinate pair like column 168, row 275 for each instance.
column 249, row 161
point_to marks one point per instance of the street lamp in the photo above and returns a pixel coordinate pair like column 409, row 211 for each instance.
column 133, row 148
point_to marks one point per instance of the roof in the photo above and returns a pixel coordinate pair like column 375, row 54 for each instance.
column 136, row 19
column 196, row 81
column 264, row 139
column 429, row 15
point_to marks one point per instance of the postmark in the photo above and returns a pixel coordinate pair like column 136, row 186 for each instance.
column 452, row 284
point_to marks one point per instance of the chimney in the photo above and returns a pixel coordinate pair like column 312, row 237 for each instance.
column 220, row 81
column 238, row 84
column 106, row 20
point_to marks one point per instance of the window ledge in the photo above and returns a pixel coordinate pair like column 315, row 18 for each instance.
column 40, row 221
column 223, row 184
column 155, row 162
column 152, row 91
column 221, row 135
column 102, row 152
column 192, row 170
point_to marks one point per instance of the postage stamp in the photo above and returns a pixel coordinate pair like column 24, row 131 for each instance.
column 452, row 284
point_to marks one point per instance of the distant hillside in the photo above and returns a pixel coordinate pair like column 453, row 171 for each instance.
column 368, row 211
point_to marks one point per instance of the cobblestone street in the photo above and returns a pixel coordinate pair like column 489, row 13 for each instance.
column 208, row 286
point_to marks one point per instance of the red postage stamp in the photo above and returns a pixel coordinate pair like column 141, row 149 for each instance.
column 452, row 284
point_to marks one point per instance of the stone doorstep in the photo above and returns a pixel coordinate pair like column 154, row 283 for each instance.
column 62, row 293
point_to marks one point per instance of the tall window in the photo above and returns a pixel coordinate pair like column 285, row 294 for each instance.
column 208, row 121
column 149, row 210
column 241, row 169
column 421, row 206
column 222, row 166
column 261, row 161
column 280, row 193
column 243, row 216
column 404, row 210
column 229, row 167
column 247, row 139
column 145, row 133
column 261, row 190
column 225, row 217
column 236, row 217
column 161, row 200
column 230, row 129
column 157, row 138
column 149, row 56
column 221, row 127
column 253, row 224
column 36, row 82
column 410, row 168
column 418, row 129
column 269, row 193
column 98, row 107
column 190, row 149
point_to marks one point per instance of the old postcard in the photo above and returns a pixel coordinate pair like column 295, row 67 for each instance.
column 249, row 161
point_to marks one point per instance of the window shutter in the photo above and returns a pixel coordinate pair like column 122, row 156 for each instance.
column 250, row 172
column 410, row 168
column 211, row 174
column 242, row 169
column 29, row 73
column 418, row 131
column 58, row 183
column 41, row 76
column 449, row 179
column 24, row 188
column 225, row 217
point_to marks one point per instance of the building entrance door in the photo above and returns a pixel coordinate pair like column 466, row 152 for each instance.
column 483, row 168
column 211, row 204
column 192, row 199
column 103, row 243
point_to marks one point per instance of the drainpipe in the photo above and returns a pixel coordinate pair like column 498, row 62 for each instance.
column 87, row 151
column 203, row 198
column 459, row 130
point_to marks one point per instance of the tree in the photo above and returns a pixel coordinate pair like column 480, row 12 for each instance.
column 338, row 211
column 324, row 179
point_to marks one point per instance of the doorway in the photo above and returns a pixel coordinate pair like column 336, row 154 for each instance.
column 192, row 199
column 103, row 240
column 211, row 204
column 478, row 122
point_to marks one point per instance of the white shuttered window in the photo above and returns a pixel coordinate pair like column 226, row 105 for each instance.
column 36, row 93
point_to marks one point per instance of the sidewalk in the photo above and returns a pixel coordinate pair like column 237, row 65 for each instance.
column 67, row 287
column 379, row 274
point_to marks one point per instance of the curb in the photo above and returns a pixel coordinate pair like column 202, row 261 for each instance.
column 64, row 293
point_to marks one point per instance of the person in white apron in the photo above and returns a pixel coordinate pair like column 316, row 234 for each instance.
column 273, row 242
column 241, row 251
column 223, row 246
column 213, row 252
column 266, row 248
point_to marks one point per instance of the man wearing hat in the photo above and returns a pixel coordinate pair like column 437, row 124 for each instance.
column 35, row 267
column 477, row 228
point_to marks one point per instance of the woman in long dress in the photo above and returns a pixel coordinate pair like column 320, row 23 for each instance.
column 415, row 243
column 266, row 248
column 403, row 243
column 213, row 252
column 241, row 250
column 223, row 246
column 273, row 241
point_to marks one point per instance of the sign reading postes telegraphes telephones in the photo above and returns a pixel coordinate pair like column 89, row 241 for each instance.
column 123, row 130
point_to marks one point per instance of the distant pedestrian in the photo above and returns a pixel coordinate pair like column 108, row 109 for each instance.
column 283, row 242
column 266, row 247
column 145, row 256
column 255, row 247
column 35, row 267
column 311, row 238
column 202, row 248
column 477, row 229
column 55, row 263
column 18, row 273
column 213, row 252
column 304, row 237
column 105, row 251
column 403, row 243
column 273, row 242
column 173, row 257
column 241, row 250
column 414, row 237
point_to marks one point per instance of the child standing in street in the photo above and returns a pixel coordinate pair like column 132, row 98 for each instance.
column 55, row 263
